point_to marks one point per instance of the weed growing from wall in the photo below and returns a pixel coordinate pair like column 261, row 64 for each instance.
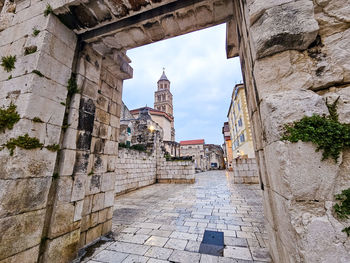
column 342, row 207
column 8, row 63
column 8, row 117
column 24, row 142
column 53, row 147
column 37, row 72
column 72, row 86
column 35, row 32
column 48, row 10
column 37, row 119
column 330, row 136
column 30, row 50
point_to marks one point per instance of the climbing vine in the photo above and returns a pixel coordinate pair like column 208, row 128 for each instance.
column 8, row 117
column 330, row 136
column 342, row 207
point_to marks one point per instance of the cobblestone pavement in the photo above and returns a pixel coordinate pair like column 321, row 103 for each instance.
column 166, row 222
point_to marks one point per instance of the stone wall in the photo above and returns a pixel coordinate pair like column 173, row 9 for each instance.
column 294, row 56
column 245, row 171
column 135, row 169
column 28, row 177
column 176, row 172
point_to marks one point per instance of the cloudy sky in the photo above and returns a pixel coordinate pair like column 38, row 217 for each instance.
column 201, row 79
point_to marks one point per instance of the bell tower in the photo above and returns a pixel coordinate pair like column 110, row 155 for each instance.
column 163, row 99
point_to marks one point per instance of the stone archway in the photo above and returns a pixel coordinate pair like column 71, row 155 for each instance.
column 294, row 54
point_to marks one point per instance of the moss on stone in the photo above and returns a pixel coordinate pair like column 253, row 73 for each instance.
column 342, row 207
column 37, row 72
column 24, row 142
column 347, row 231
column 330, row 136
column 35, row 31
column 8, row 117
column 53, row 147
column 48, row 10
column 37, row 119
column 8, row 63
column 30, row 50
column 72, row 86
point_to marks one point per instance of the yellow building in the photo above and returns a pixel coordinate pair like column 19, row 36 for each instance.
column 227, row 146
column 240, row 129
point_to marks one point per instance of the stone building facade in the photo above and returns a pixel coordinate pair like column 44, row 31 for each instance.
column 214, row 155
column 239, row 124
column 205, row 156
column 227, row 146
column 194, row 148
column 295, row 59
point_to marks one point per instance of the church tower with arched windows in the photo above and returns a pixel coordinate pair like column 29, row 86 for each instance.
column 163, row 100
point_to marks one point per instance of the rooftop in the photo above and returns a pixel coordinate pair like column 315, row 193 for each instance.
column 192, row 142
column 152, row 112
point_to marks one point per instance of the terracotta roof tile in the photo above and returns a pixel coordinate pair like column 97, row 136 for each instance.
column 192, row 142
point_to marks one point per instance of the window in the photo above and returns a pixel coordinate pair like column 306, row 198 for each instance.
column 236, row 128
column 240, row 123
column 158, row 97
column 239, row 106
column 163, row 108
column 163, row 97
column 161, row 86
column 242, row 138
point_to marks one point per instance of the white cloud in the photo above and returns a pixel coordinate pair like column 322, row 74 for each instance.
column 201, row 78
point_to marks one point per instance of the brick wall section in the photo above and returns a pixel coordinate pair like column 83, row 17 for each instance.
column 135, row 169
column 245, row 171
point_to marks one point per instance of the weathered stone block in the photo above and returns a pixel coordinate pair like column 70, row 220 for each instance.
column 78, row 191
column 285, row 27
column 20, row 232
column 23, row 195
column 93, row 234
column 98, row 202
column 108, row 181
column 286, row 107
column 28, row 256
column 63, row 248
column 256, row 8
column 109, row 199
column 296, row 177
column 67, row 163
column 93, row 184
column 63, row 215
column 78, row 210
column 64, row 190
column 24, row 164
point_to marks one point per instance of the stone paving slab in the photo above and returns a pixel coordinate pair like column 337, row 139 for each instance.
column 166, row 223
